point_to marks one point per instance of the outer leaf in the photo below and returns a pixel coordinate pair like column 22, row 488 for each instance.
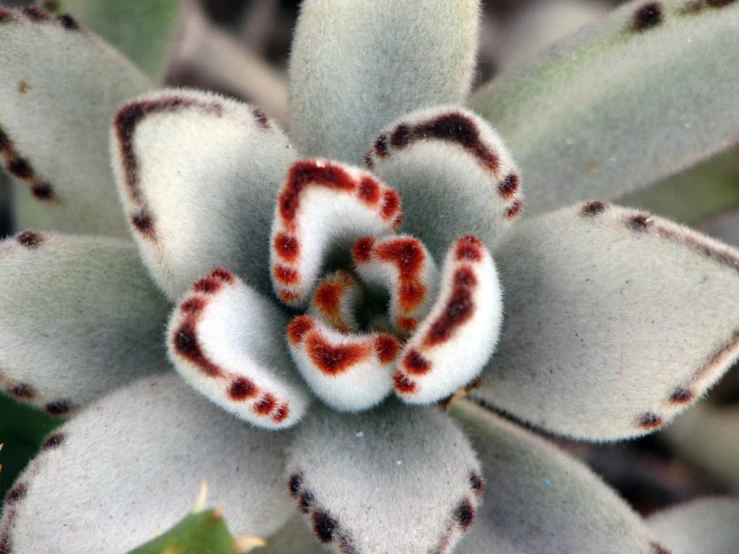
column 616, row 320
column 198, row 175
column 641, row 94
column 129, row 466
column 538, row 499
column 709, row 438
column 358, row 66
column 454, row 174
column 708, row 526
column 142, row 30
column 59, row 88
column 204, row 531
column 79, row 317
column 392, row 479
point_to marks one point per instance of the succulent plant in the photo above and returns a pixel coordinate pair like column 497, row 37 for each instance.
column 349, row 311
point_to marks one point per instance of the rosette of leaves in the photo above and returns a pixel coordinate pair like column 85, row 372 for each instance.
column 284, row 316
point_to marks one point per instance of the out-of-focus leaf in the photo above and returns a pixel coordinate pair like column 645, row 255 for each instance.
column 643, row 93
column 142, row 29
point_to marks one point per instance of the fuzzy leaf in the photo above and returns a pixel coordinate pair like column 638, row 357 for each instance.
column 129, row 466
column 394, row 479
column 708, row 437
column 59, row 88
column 79, row 316
column 538, row 499
column 228, row 341
column 642, row 93
column 708, row 526
column 198, row 175
column 454, row 174
column 123, row 24
column 616, row 320
column 357, row 66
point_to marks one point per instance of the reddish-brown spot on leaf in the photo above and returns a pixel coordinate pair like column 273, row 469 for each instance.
column 453, row 127
column 310, row 173
column 288, row 297
column 53, row 441
column 380, row 145
column 266, row 404
column 43, row 191
column 682, row 396
column 16, row 494
column 640, row 222
column 324, row 526
column 193, row 305
column 58, row 408
column 242, row 389
column 469, row 248
column 20, row 168
column 261, row 118
column 336, row 359
column 285, row 275
column 369, row 191
column 281, row 414
column 143, row 223
column 464, row 515
column 36, row 14
column 593, row 208
column 186, row 344
column 650, row 421
column 68, row 22
column 362, row 249
column 477, row 483
column 415, row 364
column 508, row 187
column 459, row 308
column 295, row 484
column 30, row 239
column 287, row 247
column 132, row 114
column 299, row 327
column 406, row 323
column 387, row 348
column 306, row 501
column 403, row 384
column 409, row 258
column 390, row 204
column 647, row 16
column 208, row 285
column 22, row 391
column 514, row 209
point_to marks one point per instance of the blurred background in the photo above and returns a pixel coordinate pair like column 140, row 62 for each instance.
column 241, row 48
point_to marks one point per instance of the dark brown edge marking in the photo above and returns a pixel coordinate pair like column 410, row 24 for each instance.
column 29, row 239
column 143, row 222
column 22, row 391
column 54, row 441
column 726, row 351
column 16, row 494
column 36, row 14
column 132, row 114
column 647, row 16
column 593, row 208
column 658, row 548
column 58, row 408
column 682, row 395
column 20, row 168
column 261, row 118
column 649, row 421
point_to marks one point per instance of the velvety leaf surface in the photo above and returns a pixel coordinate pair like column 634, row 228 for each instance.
column 538, row 499
column 59, row 88
column 708, row 526
column 228, row 341
column 130, row 465
column 616, row 320
column 642, row 93
column 141, row 30
column 79, row 316
column 358, row 66
column 394, row 479
column 198, row 175
column 454, row 174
